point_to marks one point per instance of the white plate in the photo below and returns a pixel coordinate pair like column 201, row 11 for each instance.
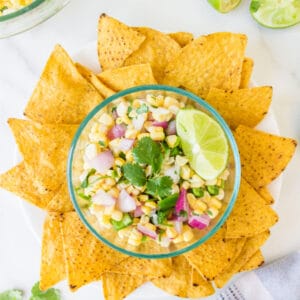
column 35, row 217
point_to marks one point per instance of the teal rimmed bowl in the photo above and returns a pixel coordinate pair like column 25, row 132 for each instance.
column 151, row 249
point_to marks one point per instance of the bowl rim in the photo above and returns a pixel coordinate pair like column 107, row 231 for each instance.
column 220, row 120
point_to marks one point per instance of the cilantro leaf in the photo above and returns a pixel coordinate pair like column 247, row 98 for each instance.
column 85, row 182
column 142, row 109
column 135, row 174
column 160, row 186
column 37, row 294
column 148, row 152
column 11, row 295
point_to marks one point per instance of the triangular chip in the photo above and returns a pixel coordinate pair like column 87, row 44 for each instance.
column 53, row 266
column 157, row 50
column 247, row 69
column 256, row 260
column 126, row 77
column 95, row 81
column 45, row 149
column 151, row 268
column 263, row 156
column 182, row 38
column 209, row 61
column 21, row 182
column 250, row 215
column 62, row 95
column 214, row 255
column 119, row 286
column 116, row 41
column 87, row 258
column 184, row 281
column 251, row 246
column 245, row 106
column 265, row 194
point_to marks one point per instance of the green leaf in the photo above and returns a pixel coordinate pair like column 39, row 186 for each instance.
column 148, row 152
column 125, row 222
column 168, row 202
column 142, row 109
column 37, row 294
column 160, row 186
column 11, row 295
column 135, row 174
column 85, row 182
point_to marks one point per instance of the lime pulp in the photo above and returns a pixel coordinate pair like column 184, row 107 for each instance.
column 224, row 6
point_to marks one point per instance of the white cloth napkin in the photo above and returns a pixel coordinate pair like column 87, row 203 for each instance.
column 279, row 280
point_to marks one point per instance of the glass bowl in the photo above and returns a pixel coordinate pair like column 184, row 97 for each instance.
column 151, row 249
column 29, row 16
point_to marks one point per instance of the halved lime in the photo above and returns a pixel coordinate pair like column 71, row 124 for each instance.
column 224, row 6
column 203, row 142
column 276, row 13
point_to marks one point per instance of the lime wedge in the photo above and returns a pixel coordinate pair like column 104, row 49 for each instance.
column 224, row 6
column 276, row 13
column 203, row 142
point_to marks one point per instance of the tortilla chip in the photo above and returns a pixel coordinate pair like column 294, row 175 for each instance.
column 53, row 267
column 95, row 81
column 263, row 156
column 246, row 106
column 212, row 257
column 20, row 181
column 209, row 61
column 87, row 258
column 256, row 260
column 247, row 69
column 157, row 50
column 119, row 286
column 184, row 281
column 265, row 194
column 62, row 95
column 45, row 149
column 251, row 246
column 182, row 38
column 250, row 215
column 61, row 201
column 116, row 41
column 152, row 268
column 127, row 77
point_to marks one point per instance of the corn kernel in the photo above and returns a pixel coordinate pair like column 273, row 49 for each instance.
column 135, row 235
column 144, row 219
column 211, row 182
column 106, row 119
column 150, row 226
column 97, row 207
column 136, row 221
column 130, row 189
column 119, row 162
column 181, row 160
column 146, row 210
column 212, row 212
column 114, row 145
column 129, row 156
column 157, row 136
column 196, row 181
column 201, row 205
column 108, row 210
column 136, row 104
column 119, row 121
column 142, row 135
column 124, row 233
column 224, row 175
column 221, row 194
column 172, row 141
column 151, row 204
column 148, row 125
column 213, row 202
column 162, row 115
column 110, row 181
column 188, row 236
column 185, row 172
column 135, row 192
column 134, row 242
column 131, row 133
column 114, row 192
column 105, row 219
column 185, row 185
column 171, row 232
column 206, row 197
column 143, row 197
column 178, row 239
column 175, row 188
column 117, row 215
column 155, row 100
column 170, row 101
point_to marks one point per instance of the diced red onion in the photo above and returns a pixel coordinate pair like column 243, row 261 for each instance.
column 178, row 226
column 199, row 222
column 102, row 162
column 138, row 212
column 144, row 230
column 116, row 132
column 163, row 124
column 125, row 202
column 171, row 128
column 182, row 203
column 126, row 144
column 103, row 198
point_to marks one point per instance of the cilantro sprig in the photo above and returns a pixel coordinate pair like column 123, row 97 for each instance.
column 134, row 174
column 160, row 187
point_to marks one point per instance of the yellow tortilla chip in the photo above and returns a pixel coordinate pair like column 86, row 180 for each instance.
column 126, row 77
column 209, row 61
column 21, row 182
column 116, row 41
column 87, row 258
column 45, row 149
column 251, row 246
column 184, row 281
column 61, row 201
column 265, row 194
column 182, row 38
column 53, row 267
column 62, row 95
column 119, row 286
column 246, row 106
column 212, row 257
column 247, row 69
column 263, row 156
column 151, row 268
column 250, row 215
column 95, row 81
column 157, row 50
column 256, row 260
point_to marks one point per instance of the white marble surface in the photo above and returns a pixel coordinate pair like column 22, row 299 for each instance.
column 277, row 61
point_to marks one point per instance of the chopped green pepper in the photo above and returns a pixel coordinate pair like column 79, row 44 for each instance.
column 85, row 182
column 125, row 222
column 213, row 190
column 168, row 202
column 198, row 192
